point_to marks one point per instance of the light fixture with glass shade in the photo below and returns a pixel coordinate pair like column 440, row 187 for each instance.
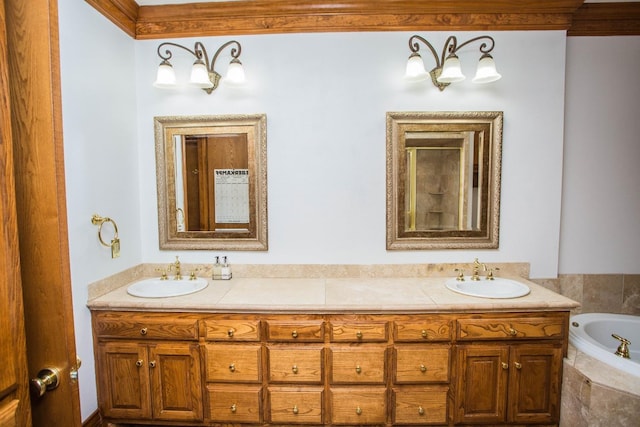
column 448, row 69
column 203, row 73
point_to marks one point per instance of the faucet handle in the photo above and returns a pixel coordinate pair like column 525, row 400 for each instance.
column 460, row 277
column 163, row 273
column 490, row 271
column 192, row 275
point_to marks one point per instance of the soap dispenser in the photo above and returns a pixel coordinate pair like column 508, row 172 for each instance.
column 217, row 270
column 226, row 269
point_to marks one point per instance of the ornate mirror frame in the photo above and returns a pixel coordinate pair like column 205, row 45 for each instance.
column 249, row 128
column 486, row 126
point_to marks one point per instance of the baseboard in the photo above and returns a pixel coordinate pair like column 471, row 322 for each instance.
column 94, row 420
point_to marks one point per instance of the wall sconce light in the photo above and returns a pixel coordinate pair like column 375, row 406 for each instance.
column 447, row 70
column 203, row 73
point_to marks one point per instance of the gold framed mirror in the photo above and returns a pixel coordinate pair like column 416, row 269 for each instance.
column 443, row 180
column 212, row 182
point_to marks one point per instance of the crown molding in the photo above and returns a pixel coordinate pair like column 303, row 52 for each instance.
column 289, row 16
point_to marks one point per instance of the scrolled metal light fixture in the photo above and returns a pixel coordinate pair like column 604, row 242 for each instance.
column 203, row 73
column 447, row 69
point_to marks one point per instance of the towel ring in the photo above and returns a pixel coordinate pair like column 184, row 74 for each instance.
column 99, row 220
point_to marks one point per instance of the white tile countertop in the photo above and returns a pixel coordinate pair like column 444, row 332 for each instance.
column 331, row 295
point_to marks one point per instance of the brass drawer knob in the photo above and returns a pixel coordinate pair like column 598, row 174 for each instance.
column 294, row 334
column 505, row 366
column 230, row 333
column 139, row 362
column 518, row 365
column 423, row 333
column 233, row 408
column 420, row 410
column 294, row 368
column 358, row 410
column 358, row 369
column 143, row 331
column 232, row 367
column 152, row 364
column 295, row 409
column 513, row 332
column 423, row 368
column 359, row 335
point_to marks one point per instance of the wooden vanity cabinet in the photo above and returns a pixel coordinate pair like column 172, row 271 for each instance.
column 509, row 369
column 148, row 368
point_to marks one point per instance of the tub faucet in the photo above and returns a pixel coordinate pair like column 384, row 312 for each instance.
column 623, row 348
column 176, row 267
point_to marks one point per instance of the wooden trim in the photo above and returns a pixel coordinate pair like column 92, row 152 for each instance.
column 606, row 19
column 123, row 13
column 94, row 420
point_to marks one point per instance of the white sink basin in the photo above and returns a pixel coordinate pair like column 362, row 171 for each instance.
column 496, row 288
column 156, row 288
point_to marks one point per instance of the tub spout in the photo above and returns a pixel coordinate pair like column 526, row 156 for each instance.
column 623, row 348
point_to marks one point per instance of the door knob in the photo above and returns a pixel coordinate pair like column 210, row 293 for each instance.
column 46, row 380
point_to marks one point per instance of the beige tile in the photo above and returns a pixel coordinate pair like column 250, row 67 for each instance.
column 612, row 408
column 631, row 294
column 602, row 293
column 571, row 286
column 551, row 284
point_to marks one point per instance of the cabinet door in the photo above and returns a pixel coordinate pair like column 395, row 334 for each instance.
column 534, row 383
column 176, row 384
column 123, row 380
column 481, row 392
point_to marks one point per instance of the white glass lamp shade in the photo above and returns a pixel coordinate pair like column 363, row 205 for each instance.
column 486, row 72
column 235, row 73
column 451, row 70
column 415, row 68
column 166, row 76
column 200, row 75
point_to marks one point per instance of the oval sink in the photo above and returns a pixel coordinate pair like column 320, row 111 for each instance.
column 497, row 288
column 156, row 288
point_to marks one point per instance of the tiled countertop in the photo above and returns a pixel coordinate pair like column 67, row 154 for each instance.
column 331, row 295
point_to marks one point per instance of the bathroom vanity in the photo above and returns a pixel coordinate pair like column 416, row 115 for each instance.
column 378, row 352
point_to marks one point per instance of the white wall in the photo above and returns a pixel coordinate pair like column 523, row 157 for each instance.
column 325, row 96
column 601, row 198
column 101, row 160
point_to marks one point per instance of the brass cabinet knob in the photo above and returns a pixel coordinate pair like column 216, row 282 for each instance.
column 230, row 333
column 294, row 334
column 505, row 366
column 295, row 409
column 152, row 364
column 143, row 331
column 358, row 410
column 139, row 362
column 358, row 369
column 232, row 367
column 517, row 365
column 359, row 335
column 233, row 408
column 423, row 333
column 513, row 332
column 423, row 368
column 420, row 410
column 294, row 368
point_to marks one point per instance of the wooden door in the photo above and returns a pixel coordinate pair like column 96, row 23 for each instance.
column 481, row 395
column 535, row 383
column 14, row 399
column 36, row 124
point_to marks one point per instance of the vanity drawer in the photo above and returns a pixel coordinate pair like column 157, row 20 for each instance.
column 145, row 326
column 427, row 329
column 359, row 332
column 295, row 364
column 295, row 405
column 351, row 365
column 297, row 331
column 422, row 364
column 420, row 405
column 358, row 405
column 232, row 330
column 492, row 328
column 235, row 404
column 233, row 363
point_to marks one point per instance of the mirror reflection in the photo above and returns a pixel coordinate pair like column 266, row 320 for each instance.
column 443, row 173
column 212, row 182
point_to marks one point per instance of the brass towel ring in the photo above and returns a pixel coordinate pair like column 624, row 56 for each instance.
column 115, row 242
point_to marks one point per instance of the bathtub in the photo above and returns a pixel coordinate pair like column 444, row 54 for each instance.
column 590, row 333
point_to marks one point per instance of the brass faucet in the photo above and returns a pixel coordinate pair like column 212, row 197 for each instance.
column 476, row 269
column 176, row 267
column 623, row 348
